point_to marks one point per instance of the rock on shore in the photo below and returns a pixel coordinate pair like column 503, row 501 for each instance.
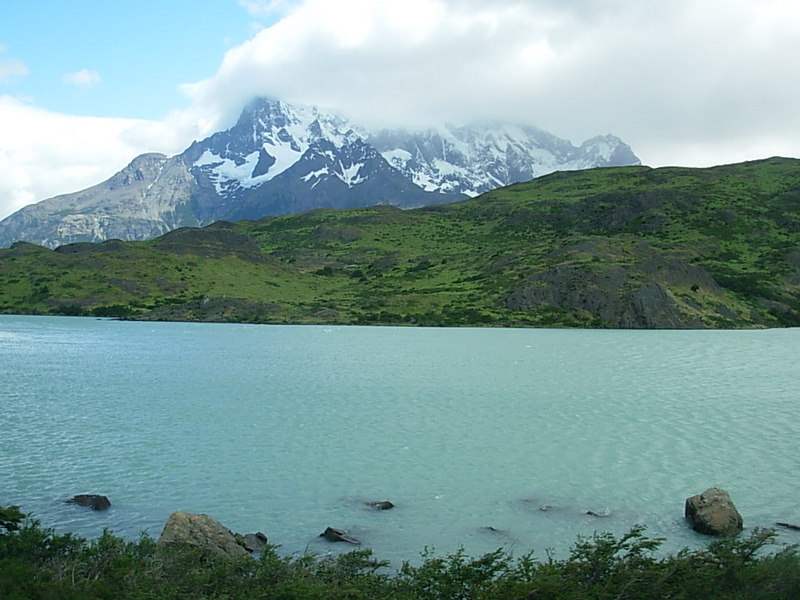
column 202, row 532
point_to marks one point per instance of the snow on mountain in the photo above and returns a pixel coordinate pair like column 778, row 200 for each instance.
column 269, row 137
column 474, row 159
column 282, row 158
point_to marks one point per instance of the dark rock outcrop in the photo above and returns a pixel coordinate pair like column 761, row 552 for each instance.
column 617, row 287
column 200, row 531
column 216, row 309
column 93, row 501
column 713, row 513
column 338, row 535
column 381, row 505
column 255, row 542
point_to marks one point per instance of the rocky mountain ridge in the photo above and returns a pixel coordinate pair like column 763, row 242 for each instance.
column 281, row 158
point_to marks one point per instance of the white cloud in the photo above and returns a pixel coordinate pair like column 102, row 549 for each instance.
column 43, row 154
column 712, row 75
column 12, row 67
column 83, row 78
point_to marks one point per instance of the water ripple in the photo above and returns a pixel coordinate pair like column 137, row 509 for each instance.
column 469, row 432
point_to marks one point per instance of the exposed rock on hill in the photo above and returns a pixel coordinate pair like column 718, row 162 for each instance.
column 628, row 295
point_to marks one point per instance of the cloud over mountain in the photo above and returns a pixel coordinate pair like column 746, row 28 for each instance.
column 662, row 76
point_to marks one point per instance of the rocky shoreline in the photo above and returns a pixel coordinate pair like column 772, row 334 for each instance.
column 711, row 512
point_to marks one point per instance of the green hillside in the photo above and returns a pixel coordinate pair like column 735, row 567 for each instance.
column 614, row 247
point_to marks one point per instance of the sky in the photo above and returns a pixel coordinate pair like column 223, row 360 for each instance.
column 87, row 85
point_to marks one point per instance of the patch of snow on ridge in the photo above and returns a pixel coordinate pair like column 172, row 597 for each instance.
column 317, row 174
column 350, row 174
column 225, row 171
column 400, row 155
column 602, row 149
column 285, row 156
column 207, row 158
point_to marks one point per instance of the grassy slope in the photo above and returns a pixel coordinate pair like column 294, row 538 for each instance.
column 617, row 247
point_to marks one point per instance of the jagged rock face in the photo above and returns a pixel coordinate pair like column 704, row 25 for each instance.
column 281, row 159
column 149, row 197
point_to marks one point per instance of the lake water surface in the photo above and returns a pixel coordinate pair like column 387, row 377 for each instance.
column 290, row 429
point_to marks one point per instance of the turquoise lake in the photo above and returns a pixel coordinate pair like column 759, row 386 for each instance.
column 290, row 429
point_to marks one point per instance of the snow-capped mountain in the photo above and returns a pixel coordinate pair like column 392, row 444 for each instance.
column 281, row 158
column 475, row 159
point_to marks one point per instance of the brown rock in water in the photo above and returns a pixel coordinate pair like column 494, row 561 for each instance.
column 713, row 513
column 202, row 532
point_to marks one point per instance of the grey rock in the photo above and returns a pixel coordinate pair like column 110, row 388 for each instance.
column 338, row 535
column 713, row 513
column 381, row 505
column 255, row 542
column 200, row 531
column 93, row 501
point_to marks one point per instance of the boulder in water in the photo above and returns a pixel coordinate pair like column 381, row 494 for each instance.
column 713, row 513
column 338, row 535
column 93, row 501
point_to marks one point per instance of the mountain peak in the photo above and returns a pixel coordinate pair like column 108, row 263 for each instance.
column 281, row 158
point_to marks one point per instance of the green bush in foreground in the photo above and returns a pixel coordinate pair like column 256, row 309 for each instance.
column 37, row 563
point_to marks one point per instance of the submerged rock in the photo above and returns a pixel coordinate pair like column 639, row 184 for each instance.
column 381, row 505
column 606, row 512
column 338, row 535
column 491, row 530
column 200, row 531
column 93, row 501
column 713, row 513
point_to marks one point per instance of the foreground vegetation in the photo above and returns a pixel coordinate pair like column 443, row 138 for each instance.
column 37, row 563
column 612, row 247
